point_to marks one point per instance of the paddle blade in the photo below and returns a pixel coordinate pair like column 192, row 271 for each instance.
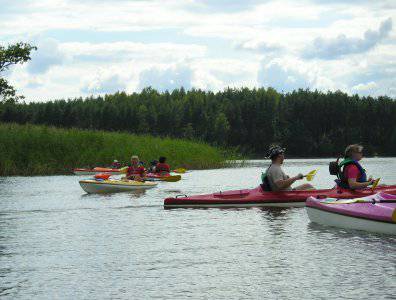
column 180, row 170
column 123, row 170
column 311, row 175
column 375, row 183
column 348, row 201
column 171, row 178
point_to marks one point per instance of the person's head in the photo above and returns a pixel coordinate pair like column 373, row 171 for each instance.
column 276, row 154
column 354, row 152
column 135, row 159
column 154, row 163
column 162, row 159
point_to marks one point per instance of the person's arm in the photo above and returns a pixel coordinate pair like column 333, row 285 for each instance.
column 352, row 174
column 285, row 183
column 353, row 184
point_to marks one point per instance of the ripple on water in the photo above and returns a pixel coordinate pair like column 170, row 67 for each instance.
column 58, row 242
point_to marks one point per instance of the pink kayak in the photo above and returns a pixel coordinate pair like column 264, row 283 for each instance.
column 96, row 170
column 375, row 213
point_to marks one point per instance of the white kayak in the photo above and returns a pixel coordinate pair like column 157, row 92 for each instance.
column 376, row 213
column 92, row 186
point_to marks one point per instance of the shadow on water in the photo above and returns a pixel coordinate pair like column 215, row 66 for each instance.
column 273, row 213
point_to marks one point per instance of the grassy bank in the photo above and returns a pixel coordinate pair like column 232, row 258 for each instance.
column 41, row 150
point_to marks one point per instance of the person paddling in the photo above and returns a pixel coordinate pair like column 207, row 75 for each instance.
column 135, row 171
column 351, row 173
column 116, row 164
column 153, row 164
column 162, row 167
column 275, row 179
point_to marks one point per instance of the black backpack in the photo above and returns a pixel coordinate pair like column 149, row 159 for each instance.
column 334, row 167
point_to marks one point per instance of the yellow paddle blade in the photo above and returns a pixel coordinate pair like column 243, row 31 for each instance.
column 123, row 170
column 375, row 183
column 171, row 178
column 311, row 175
column 180, row 170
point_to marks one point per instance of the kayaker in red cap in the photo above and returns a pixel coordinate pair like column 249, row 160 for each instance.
column 274, row 179
column 162, row 167
column 135, row 171
column 351, row 173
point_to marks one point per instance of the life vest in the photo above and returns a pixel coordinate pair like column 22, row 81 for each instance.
column 162, row 168
column 135, row 170
column 342, row 180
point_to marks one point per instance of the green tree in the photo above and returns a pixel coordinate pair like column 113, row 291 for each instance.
column 221, row 128
column 11, row 55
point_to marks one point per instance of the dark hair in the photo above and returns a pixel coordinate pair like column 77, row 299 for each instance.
column 162, row 159
column 274, row 151
column 154, row 162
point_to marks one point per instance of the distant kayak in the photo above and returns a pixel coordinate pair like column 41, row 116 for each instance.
column 257, row 197
column 375, row 213
column 166, row 177
column 97, row 170
column 114, row 186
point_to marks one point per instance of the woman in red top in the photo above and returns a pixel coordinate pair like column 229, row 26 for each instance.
column 353, row 173
column 135, row 170
column 162, row 167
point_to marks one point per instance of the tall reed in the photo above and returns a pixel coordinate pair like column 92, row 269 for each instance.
column 41, row 150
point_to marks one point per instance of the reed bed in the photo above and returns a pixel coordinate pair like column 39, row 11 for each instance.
column 42, row 150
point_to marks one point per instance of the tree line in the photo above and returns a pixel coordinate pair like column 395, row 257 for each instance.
column 308, row 123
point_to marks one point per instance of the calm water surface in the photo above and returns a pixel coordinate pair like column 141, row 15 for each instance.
column 56, row 242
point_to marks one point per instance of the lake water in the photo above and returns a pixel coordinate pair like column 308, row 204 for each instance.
column 56, row 242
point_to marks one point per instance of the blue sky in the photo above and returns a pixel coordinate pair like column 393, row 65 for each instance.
column 95, row 47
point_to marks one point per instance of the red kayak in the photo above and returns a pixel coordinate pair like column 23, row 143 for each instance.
column 257, row 197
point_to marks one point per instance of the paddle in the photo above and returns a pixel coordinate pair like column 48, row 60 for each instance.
column 351, row 201
column 173, row 178
column 311, row 175
column 123, row 170
column 180, row 170
column 375, row 184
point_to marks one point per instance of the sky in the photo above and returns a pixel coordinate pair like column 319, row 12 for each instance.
column 94, row 47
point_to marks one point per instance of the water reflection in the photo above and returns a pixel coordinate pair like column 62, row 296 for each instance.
column 337, row 232
column 133, row 194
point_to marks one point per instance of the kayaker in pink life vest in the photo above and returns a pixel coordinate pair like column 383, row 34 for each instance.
column 274, row 179
column 351, row 173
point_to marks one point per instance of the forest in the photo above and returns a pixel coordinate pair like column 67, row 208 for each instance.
column 308, row 123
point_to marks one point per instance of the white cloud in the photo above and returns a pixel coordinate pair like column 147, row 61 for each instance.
column 104, row 84
column 47, row 55
column 166, row 78
column 283, row 77
column 203, row 44
column 122, row 51
column 343, row 45
column 365, row 87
